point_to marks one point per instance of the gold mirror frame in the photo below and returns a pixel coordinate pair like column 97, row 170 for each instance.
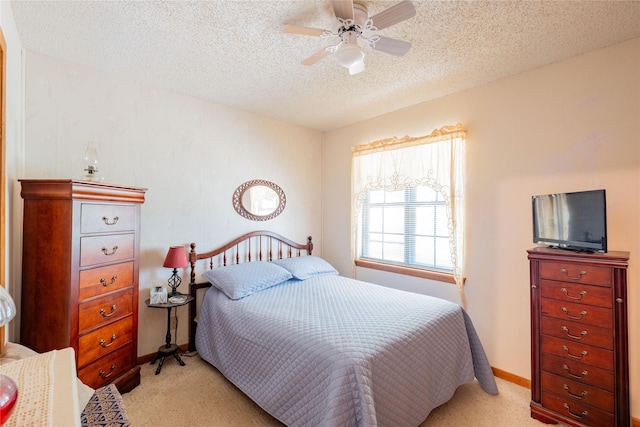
column 245, row 211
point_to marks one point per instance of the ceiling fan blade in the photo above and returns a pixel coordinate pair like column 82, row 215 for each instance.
column 316, row 57
column 392, row 46
column 343, row 9
column 305, row 31
column 396, row 13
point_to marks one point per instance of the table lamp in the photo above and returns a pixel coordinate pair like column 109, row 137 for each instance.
column 8, row 388
column 176, row 258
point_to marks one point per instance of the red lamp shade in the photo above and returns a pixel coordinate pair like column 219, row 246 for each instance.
column 176, row 258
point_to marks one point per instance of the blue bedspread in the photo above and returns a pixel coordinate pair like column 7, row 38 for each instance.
column 333, row 351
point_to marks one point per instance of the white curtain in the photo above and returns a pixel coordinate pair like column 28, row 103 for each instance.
column 436, row 161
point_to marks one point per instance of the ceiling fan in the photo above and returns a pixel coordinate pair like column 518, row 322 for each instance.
column 354, row 24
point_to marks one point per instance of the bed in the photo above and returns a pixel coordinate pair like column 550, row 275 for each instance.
column 314, row 348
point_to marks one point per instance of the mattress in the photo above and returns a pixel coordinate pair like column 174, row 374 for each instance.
column 334, row 351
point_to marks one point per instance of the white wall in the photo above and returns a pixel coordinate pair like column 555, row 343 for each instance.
column 574, row 125
column 189, row 153
column 14, row 150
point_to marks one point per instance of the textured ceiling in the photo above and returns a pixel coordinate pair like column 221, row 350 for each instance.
column 235, row 52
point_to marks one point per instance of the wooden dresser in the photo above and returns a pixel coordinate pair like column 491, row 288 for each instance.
column 579, row 344
column 80, row 265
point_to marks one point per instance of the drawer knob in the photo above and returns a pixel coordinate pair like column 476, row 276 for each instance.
column 103, row 281
column 565, row 310
column 582, row 273
column 579, row 377
column 103, row 375
column 583, row 353
column 107, row 253
column 104, row 312
column 566, row 293
column 580, row 415
column 582, row 395
column 104, row 344
column 575, row 337
column 106, row 220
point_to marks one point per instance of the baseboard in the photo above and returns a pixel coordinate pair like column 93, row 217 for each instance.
column 508, row 376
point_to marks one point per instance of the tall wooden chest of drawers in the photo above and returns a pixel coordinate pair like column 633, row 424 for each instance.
column 80, row 276
column 579, row 344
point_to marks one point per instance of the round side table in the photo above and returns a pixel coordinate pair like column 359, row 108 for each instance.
column 168, row 349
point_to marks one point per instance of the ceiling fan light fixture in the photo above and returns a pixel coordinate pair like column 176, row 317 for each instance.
column 356, row 67
column 350, row 55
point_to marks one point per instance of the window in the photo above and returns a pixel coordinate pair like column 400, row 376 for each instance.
column 408, row 205
column 407, row 227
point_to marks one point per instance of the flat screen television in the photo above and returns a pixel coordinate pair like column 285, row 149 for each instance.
column 573, row 221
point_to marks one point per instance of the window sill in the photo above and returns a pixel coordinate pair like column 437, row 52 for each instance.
column 408, row 271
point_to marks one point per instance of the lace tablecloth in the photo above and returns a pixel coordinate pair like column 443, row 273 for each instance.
column 47, row 390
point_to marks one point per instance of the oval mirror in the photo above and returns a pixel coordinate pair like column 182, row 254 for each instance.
column 259, row 200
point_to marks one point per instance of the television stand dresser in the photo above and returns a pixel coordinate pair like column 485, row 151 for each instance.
column 579, row 343
column 80, row 262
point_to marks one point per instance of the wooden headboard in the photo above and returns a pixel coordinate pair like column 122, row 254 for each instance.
column 254, row 246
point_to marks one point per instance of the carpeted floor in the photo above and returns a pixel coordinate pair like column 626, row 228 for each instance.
column 198, row 395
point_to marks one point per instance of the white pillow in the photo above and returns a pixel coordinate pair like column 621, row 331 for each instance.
column 241, row 280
